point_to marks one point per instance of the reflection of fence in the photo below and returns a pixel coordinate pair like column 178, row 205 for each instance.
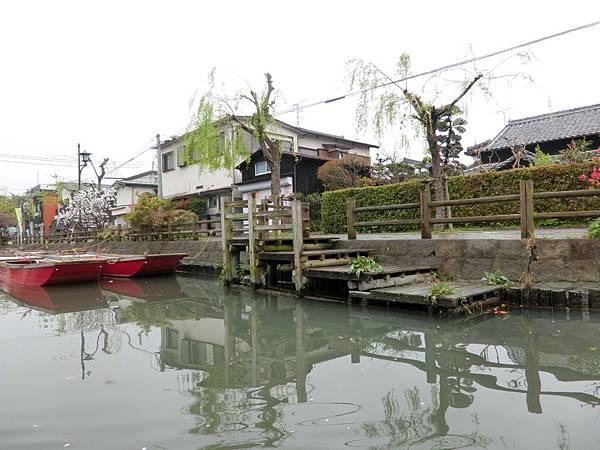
column 525, row 217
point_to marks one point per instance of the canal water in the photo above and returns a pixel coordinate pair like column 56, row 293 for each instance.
column 181, row 363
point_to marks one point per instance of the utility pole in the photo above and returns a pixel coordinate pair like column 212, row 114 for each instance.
column 159, row 167
column 78, row 166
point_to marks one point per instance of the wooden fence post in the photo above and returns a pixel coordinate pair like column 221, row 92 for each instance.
column 298, row 242
column 226, row 236
column 195, row 229
column 448, row 208
column 252, row 257
column 350, row 218
column 425, row 210
column 169, row 230
column 526, row 204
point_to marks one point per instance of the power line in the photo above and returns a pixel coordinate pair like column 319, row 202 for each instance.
column 297, row 108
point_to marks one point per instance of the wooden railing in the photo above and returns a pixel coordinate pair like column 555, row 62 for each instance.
column 256, row 225
column 525, row 217
column 172, row 231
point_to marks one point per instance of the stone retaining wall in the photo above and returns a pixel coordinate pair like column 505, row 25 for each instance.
column 558, row 260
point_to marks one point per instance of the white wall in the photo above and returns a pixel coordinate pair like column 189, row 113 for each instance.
column 126, row 197
column 191, row 179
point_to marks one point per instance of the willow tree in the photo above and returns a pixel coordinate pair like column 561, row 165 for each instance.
column 393, row 105
column 214, row 137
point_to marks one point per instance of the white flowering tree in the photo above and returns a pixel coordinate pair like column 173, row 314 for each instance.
column 89, row 208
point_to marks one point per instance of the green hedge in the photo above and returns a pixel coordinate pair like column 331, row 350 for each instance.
column 553, row 177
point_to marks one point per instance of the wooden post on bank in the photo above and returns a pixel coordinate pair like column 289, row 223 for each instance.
column 350, row 218
column 252, row 257
column 298, row 242
column 195, row 228
column 226, row 237
column 424, row 200
column 526, row 203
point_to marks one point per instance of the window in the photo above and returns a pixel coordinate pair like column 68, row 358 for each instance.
column 285, row 146
column 168, row 162
column 261, row 168
column 213, row 201
column 180, row 157
column 172, row 339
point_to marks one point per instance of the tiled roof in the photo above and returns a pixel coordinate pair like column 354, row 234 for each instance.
column 571, row 123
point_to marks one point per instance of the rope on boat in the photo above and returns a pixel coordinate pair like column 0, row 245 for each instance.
column 210, row 235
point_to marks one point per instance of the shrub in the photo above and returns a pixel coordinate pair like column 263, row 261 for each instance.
column 552, row 177
column 198, row 205
column 594, row 229
column 543, row 159
column 343, row 173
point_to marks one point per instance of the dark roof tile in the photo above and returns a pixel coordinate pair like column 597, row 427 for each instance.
column 571, row 123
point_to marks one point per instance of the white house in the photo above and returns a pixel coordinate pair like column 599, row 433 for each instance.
column 180, row 180
column 127, row 191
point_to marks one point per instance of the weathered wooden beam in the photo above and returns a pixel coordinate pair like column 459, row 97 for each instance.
column 476, row 201
column 297, row 244
column 326, row 262
column 387, row 207
column 383, row 282
column 350, row 230
column 425, row 211
column 475, row 219
column 526, row 209
column 374, row 223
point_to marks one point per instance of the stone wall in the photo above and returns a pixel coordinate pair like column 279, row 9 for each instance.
column 569, row 260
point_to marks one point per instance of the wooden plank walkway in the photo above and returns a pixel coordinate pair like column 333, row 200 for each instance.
column 418, row 294
column 311, row 254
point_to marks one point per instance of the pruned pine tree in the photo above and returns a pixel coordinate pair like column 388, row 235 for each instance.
column 214, row 138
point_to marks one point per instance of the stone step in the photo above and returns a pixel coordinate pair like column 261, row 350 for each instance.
column 466, row 292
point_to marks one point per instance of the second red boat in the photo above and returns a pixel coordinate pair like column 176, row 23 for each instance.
column 141, row 265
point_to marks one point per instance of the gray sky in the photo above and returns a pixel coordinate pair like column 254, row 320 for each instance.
column 113, row 74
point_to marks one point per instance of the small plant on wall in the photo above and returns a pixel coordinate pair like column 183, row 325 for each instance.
column 594, row 229
column 496, row 278
column 363, row 264
column 439, row 289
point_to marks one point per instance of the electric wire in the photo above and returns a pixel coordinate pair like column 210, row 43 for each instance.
column 442, row 68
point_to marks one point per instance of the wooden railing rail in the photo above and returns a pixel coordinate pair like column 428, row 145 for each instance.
column 526, row 216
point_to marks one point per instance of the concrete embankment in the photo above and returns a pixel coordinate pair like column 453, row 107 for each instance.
column 551, row 260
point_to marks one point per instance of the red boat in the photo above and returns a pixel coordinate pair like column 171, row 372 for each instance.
column 46, row 271
column 139, row 265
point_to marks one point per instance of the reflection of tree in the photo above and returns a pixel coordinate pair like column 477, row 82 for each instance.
column 417, row 424
column 157, row 315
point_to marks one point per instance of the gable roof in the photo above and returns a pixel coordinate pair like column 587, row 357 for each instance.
column 567, row 124
column 174, row 139
column 147, row 178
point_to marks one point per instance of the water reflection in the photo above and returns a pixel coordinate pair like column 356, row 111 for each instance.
column 275, row 371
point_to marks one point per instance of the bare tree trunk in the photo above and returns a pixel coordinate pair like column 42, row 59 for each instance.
column 436, row 173
column 275, row 179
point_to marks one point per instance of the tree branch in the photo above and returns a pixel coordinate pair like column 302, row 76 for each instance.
column 462, row 94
